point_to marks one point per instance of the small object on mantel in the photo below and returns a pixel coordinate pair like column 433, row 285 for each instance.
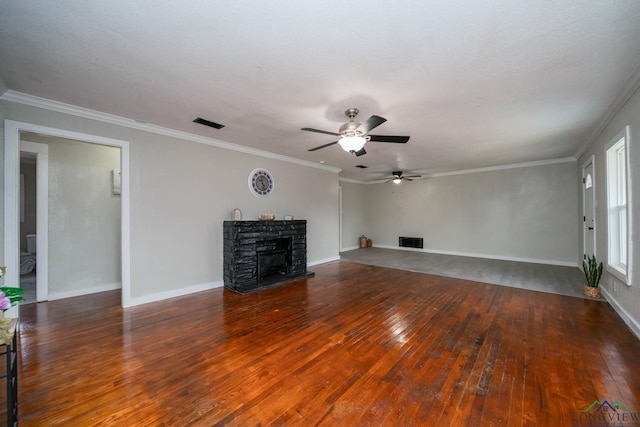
column 288, row 217
column 267, row 217
column 236, row 215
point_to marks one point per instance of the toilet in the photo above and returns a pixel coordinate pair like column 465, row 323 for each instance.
column 31, row 243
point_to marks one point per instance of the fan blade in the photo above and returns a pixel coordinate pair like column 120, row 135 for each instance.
column 389, row 138
column 413, row 176
column 372, row 122
column 320, row 131
column 360, row 152
column 323, row 146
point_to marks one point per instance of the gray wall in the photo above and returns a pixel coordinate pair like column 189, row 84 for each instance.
column 182, row 191
column 84, row 218
column 526, row 213
column 625, row 298
column 355, row 214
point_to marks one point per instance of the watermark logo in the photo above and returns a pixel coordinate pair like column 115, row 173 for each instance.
column 606, row 414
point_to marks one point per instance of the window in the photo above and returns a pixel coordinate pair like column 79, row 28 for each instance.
column 618, row 211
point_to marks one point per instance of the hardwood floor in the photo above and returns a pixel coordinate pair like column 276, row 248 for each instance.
column 354, row 345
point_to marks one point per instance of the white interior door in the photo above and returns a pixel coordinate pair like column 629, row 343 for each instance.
column 589, row 223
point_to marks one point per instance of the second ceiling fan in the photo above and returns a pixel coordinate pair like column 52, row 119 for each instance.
column 397, row 177
column 354, row 135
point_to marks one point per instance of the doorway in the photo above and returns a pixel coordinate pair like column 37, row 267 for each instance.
column 12, row 131
column 34, row 208
column 588, row 209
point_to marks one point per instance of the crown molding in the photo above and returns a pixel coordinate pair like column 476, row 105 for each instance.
column 477, row 170
column 630, row 88
column 503, row 167
column 61, row 107
column 351, row 180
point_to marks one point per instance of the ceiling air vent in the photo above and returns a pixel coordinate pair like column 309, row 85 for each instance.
column 362, row 166
column 208, row 123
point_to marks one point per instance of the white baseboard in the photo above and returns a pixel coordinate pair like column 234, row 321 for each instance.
column 349, row 249
column 626, row 317
column 487, row 256
column 174, row 293
column 86, row 291
column 323, row 261
column 197, row 288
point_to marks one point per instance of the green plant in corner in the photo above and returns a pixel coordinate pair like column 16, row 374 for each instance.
column 592, row 271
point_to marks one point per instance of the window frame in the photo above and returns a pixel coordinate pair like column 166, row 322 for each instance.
column 619, row 250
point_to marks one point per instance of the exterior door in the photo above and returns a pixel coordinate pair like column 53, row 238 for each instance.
column 589, row 224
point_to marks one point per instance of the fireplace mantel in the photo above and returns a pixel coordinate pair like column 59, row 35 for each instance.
column 246, row 241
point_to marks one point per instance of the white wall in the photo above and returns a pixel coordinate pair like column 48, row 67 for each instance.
column 625, row 299
column 525, row 213
column 355, row 214
column 84, row 218
column 182, row 191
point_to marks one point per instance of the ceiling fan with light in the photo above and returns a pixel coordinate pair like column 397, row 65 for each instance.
column 397, row 177
column 354, row 135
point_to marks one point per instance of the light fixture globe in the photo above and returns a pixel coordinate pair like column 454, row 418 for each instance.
column 352, row 144
column 397, row 180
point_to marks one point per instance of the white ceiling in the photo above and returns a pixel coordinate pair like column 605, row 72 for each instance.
column 474, row 83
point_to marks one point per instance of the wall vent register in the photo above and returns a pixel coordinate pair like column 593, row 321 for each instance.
column 411, row 242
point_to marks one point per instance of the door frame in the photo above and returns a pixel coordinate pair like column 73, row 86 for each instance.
column 585, row 165
column 12, row 131
column 42, row 215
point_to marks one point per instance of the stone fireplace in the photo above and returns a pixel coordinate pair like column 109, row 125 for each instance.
column 259, row 254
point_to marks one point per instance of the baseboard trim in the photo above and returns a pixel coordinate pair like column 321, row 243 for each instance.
column 626, row 317
column 174, row 293
column 323, row 261
column 487, row 256
column 351, row 248
column 86, row 291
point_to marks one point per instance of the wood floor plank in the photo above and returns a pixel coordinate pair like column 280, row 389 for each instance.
column 354, row 345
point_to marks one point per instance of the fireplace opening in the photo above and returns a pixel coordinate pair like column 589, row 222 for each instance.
column 274, row 257
column 272, row 262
